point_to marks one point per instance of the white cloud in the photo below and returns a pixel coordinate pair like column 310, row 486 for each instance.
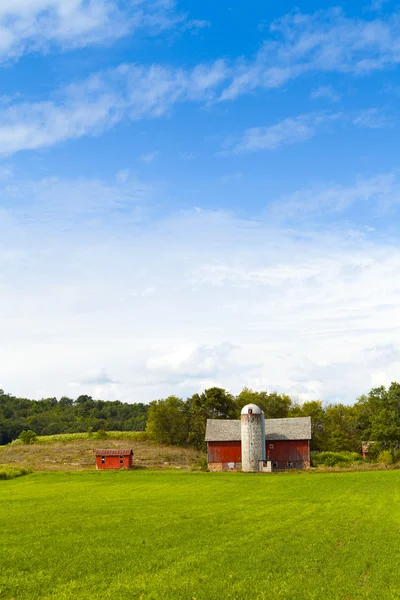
column 380, row 194
column 149, row 157
column 324, row 42
column 288, row 131
column 325, row 92
column 98, row 103
column 300, row 128
column 35, row 25
column 198, row 298
column 371, row 118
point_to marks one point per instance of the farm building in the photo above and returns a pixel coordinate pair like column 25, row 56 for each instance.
column 257, row 444
column 366, row 449
column 114, row 458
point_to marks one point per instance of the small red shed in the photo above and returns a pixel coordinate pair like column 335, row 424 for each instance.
column 114, row 458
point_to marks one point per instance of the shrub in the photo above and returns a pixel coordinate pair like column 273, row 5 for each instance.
column 7, row 472
column 202, row 464
column 331, row 459
column 385, row 457
column 28, row 437
column 101, row 434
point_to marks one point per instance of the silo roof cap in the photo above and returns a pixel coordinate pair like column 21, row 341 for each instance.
column 251, row 408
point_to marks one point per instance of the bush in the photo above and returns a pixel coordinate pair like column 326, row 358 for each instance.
column 16, row 442
column 101, row 434
column 331, row 459
column 202, row 464
column 385, row 457
column 7, row 472
column 28, row 437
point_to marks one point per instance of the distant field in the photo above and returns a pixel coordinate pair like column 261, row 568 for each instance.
column 75, row 452
column 208, row 536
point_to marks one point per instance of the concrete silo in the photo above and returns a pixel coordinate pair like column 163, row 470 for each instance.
column 253, row 438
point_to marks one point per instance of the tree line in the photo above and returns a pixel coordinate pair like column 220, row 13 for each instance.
column 51, row 416
column 335, row 427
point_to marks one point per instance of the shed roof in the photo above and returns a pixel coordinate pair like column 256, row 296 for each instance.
column 114, row 452
column 292, row 428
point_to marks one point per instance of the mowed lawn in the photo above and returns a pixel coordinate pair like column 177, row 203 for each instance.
column 174, row 535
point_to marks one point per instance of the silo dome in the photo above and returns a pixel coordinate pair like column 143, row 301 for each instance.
column 251, row 409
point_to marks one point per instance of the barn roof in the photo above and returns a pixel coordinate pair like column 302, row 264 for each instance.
column 292, row 428
column 114, row 452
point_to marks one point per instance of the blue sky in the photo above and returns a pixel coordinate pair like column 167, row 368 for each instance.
column 197, row 194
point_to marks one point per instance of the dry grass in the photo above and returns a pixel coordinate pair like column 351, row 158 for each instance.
column 78, row 455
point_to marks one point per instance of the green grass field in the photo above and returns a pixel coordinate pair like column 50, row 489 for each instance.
column 208, row 536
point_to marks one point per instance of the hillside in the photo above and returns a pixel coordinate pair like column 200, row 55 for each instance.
column 78, row 454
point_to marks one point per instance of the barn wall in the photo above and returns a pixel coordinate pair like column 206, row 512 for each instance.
column 226, row 456
column 113, row 462
column 283, row 452
column 224, row 452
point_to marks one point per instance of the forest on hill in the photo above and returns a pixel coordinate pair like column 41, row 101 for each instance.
column 51, row 416
column 335, row 427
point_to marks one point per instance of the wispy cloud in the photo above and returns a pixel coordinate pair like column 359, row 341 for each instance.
column 325, row 92
column 288, row 131
column 32, row 26
column 149, row 157
column 156, row 305
column 324, row 42
column 378, row 194
column 87, row 108
column 372, row 118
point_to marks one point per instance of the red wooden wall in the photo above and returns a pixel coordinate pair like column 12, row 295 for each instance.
column 280, row 451
column 113, row 462
column 224, row 452
column 284, row 451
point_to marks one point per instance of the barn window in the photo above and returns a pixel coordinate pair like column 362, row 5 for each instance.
column 103, row 460
column 275, row 464
column 271, row 446
column 290, row 464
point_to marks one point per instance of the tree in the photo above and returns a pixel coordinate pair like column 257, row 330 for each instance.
column 379, row 416
column 315, row 410
column 168, row 421
column 273, row 405
column 27, row 437
column 213, row 403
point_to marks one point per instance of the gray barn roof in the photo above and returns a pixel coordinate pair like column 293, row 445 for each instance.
column 293, row 428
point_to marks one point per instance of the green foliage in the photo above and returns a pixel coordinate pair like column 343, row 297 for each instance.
column 101, row 434
column 273, row 405
column 28, row 437
column 8, row 472
column 51, row 417
column 385, row 457
column 331, row 459
column 138, row 436
column 213, row 403
column 312, row 537
column 336, row 428
column 168, row 421
column 202, row 463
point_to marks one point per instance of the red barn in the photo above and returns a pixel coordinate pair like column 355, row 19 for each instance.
column 114, row 458
column 287, row 443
